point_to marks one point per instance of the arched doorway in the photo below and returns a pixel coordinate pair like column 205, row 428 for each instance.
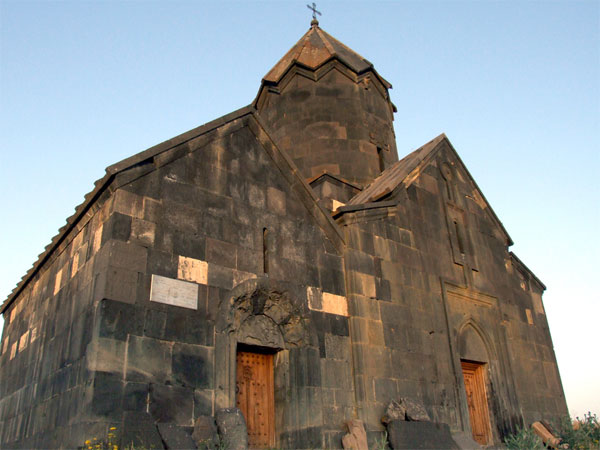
column 474, row 361
column 263, row 334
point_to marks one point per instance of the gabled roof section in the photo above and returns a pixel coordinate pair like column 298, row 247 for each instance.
column 397, row 173
column 336, row 179
column 313, row 50
column 149, row 160
column 405, row 171
column 517, row 261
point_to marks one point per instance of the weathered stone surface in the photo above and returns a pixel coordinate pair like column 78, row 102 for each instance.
column 420, row 435
column 465, row 441
column 171, row 404
column 231, row 427
column 394, row 411
column 205, row 432
column 356, row 439
column 140, row 430
column 415, row 411
column 175, row 437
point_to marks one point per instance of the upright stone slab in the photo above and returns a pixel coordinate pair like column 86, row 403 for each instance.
column 231, row 426
column 420, row 435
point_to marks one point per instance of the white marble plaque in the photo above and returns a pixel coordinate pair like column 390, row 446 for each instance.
column 174, row 292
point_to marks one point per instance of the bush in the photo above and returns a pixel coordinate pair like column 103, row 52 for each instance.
column 524, row 439
column 580, row 434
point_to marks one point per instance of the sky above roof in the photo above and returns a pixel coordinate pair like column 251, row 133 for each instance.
column 513, row 84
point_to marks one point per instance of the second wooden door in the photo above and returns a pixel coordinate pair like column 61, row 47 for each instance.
column 255, row 397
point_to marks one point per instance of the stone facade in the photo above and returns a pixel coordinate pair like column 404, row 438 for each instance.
column 274, row 227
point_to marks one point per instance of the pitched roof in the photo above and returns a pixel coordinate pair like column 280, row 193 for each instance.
column 314, row 49
column 148, row 160
column 396, row 174
column 405, row 171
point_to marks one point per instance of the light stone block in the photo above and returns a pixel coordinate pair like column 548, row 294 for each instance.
column 57, row 282
column 529, row 316
column 194, row 270
column 24, row 340
column 326, row 302
column 538, row 306
column 75, row 265
column 335, row 304
column 174, row 292
column 128, row 203
column 97, row 239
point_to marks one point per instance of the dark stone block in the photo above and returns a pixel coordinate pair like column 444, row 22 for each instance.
column 338, row 325
column 135, row 396
column 332, row 281
column 205, row 432
column 154, row 323
column 221, row 253
column 171, row 404
column 202, row 403
column 385, row 390
column 191, row 366
column 108, row 394
column 221, row 277
column 175, row 437
column 322, row 352
column 382, row 289
column 118, row 226
column 148, row 359
column 175, row 329
column 162, row 263
column 139, row 430
column 117, row 319
column 193, row 246
column 232, row 428
column 198, row 331
column 420, row 435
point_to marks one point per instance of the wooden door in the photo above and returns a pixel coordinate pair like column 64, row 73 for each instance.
column 474, row 376
column 255, row 397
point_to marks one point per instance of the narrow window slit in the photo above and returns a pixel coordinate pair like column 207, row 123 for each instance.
column 265, row 251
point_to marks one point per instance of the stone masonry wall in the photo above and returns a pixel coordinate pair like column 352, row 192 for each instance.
column 201, row 219
column 333, row 125
column 415, row 291
column 48, row 328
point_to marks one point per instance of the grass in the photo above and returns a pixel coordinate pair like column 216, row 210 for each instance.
column 578, row 434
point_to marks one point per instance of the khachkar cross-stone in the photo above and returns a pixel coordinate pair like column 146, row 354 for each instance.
column 313, row 8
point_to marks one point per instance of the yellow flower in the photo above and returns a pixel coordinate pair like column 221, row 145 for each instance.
column 112, row 428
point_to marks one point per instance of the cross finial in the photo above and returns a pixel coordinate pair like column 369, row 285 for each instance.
column 313, row 8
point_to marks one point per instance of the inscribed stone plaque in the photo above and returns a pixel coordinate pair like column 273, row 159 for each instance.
column 174, row 292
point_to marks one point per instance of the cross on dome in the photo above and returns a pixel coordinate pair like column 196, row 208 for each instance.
column 314, row 20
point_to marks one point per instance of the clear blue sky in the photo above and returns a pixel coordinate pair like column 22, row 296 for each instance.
column 514, row 85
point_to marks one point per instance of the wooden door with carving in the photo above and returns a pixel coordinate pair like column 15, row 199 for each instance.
column 474, row 376
column 255, row 397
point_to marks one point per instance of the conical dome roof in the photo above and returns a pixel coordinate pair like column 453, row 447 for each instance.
column 314, row 49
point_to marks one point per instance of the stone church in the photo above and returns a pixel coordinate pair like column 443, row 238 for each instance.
column 283, row 260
